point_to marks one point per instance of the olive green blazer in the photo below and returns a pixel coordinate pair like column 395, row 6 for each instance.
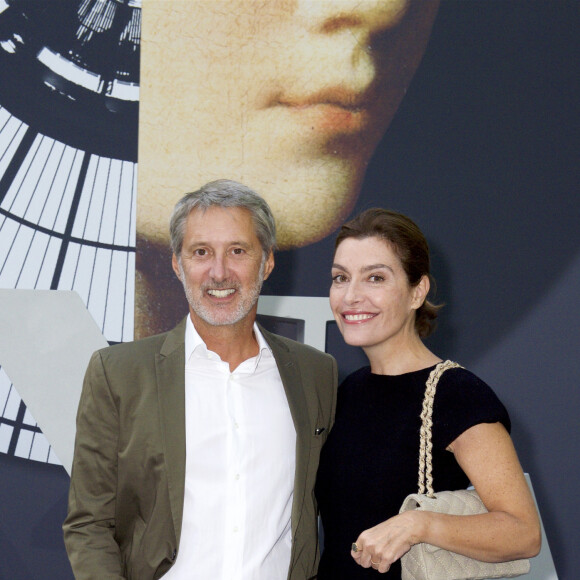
column 127, row 482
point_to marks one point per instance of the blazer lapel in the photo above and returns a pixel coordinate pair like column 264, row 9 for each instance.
column 170, row 372
column 293, row 386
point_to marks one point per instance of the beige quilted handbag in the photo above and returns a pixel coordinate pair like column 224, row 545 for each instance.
column 427, row 562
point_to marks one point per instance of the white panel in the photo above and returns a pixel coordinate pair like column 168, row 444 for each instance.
column 74, row 158
column 58, row 329
column 10, row 137
column 129, row 321
column 315, row 311
column 97, row 198
column 111, row 203
column 134, row 206
column 40, row 448
column 5, row 117
column 5, row 384
column 12, row 405
column 24, row 444
column 14, row 189
column 46, row 166
column 58, row 191
column 46, row 273
column 70, row 70
column 116, row 303
column 52, row 458
column 125, row 91
column 124, row 209
column 79, row 228
column 28, row 419
column 67, row 275
column 31, row 266
column 27, row 181
column 100, row 282
column 16, row 256
column 84, row 272
column 8, row 229
column 5, row 437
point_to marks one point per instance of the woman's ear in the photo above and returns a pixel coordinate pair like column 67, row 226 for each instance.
column 420, row 292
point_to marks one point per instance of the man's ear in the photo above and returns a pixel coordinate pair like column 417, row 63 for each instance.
column 269, row 265
column 420, row 292
column 175, row 266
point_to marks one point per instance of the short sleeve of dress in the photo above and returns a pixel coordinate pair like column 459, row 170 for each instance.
column 463, row 400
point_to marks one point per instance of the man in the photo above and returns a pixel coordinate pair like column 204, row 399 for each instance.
column 196, row 450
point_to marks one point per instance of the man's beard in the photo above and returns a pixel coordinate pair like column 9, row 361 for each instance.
column 214, row 315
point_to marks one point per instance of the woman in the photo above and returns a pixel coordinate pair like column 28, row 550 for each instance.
column 369, row 464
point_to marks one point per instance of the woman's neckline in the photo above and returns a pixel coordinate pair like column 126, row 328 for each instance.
column 405, row 374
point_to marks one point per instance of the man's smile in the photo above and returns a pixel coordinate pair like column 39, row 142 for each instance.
column 221, row 293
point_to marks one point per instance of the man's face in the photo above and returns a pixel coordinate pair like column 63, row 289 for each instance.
column 221, row 266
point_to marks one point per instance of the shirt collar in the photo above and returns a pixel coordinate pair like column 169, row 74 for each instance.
column 194, row 343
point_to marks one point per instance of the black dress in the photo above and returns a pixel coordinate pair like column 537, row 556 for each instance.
column 370, row 460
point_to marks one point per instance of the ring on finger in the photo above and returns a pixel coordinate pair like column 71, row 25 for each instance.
column 355, row 547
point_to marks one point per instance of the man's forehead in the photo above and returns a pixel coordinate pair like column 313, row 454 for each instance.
column 220, row 224
column 219, row 212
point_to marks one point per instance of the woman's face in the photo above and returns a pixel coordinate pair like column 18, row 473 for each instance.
column 288, row 97
column 370, row 297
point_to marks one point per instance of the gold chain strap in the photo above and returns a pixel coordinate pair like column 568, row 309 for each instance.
column 426, row 444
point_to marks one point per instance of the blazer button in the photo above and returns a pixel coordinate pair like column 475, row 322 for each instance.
column 174, row 555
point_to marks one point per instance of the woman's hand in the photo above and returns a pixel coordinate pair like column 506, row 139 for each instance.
column 510, row 530
column 385, row 543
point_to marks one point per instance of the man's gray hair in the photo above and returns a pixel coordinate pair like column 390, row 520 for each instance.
column 224, row 193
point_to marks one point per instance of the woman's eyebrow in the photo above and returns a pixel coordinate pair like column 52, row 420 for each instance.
column 376, row 267
column 336, row 266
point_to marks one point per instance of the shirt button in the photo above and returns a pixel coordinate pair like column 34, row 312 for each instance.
column 237, row 476
column 236, row 529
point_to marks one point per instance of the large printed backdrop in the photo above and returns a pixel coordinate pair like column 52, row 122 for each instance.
column 482, row 153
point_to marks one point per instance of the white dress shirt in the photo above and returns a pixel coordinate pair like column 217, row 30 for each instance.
column 239, row 469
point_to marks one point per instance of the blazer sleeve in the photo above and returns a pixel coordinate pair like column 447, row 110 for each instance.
column 89, row 528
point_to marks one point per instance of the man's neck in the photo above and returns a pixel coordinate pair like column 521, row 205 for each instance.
column 233, row 343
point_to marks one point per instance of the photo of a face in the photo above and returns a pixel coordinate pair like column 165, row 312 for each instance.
column 287, row 97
